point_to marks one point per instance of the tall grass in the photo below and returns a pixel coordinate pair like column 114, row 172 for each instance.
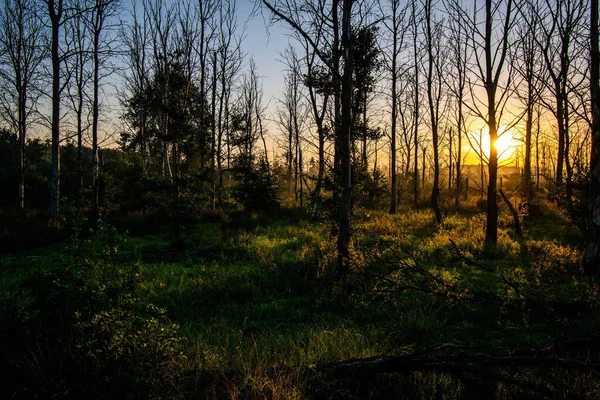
column 252, row 304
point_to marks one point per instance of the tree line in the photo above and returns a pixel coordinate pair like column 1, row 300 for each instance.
column 413, row 82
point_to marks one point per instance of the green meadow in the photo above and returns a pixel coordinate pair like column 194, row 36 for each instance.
column 249, row 305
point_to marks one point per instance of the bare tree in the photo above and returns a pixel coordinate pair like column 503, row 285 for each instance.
column 592, row 251
column 206, row 11
column 559, row 22
column 57, row 15
column 21, row 53
column 100, row 28
column 317, row 90
column 396, row 28
column 406, row 113
column 457, row 82
column 248, row 112
column 291, row 121
column 161, row 22
column 526, row 60
column 434, row 77
column 416, row 56
column 344, row 138
column 228, row 46
column 136, row 41
column 490, row 40
column 77, row 89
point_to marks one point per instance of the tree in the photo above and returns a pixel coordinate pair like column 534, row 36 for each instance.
column 290, row 119
column 396, row 30
column 591, row 262
column 342, row 98
column 56, row 13
column 320, row 87
column 78, row 96
column 434, row 78
column 228, row 49
column 367, row 67
column 391, row 63
column 344, row 138
column 559, row 23
column 136, row 37
column 161, row 22
column 246, row 123
column 457, row 83
column 21, row 53
column 490, row 41
column 416, row 51
column 526, row 61
column 206, row 12
column 102, row 11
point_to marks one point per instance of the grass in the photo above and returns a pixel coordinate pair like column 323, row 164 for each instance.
column 258, row 294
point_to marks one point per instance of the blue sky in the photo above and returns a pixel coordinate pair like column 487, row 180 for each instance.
column 265, row 44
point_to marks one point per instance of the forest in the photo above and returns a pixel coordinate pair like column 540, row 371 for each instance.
column 414, row 214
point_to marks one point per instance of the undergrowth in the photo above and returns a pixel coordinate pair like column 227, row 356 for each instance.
column 248, row 306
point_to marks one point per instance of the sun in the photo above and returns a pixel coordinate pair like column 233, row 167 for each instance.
column 506, row 144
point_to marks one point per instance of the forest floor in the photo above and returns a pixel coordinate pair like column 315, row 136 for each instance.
column 251, row 306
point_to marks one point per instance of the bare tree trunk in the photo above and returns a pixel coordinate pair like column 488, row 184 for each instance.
column 527, row 162
column 491, row 84
column 560, row 157
column 364, row 155
column 55, row 10
column 213, row 152
column 344, row 140
column 21, row 42
column 79, row 112
column 481, row 170
column 424, row 151
column 223, row 102
column 290, row 158
column 264, row 141
column 319, row 117
column 101, row 12
column 416, row 105
column 394, row 179
column 434, row 115
column 22, row 140
column 592, row 252
column 450, row 162
column 461, row 71
column 537, row 153
column 568, row 165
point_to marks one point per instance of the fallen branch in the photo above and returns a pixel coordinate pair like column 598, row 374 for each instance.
column 484, row 366
column 514, row 213
column 466, row 363
column 533, row 296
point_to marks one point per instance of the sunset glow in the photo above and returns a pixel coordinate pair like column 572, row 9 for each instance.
column 506, row 145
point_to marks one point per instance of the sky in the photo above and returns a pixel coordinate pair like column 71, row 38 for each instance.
column 265, row 43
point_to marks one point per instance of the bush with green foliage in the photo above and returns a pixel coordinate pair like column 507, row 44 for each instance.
column 255, row 187
column 81, row 331
column 369, row 189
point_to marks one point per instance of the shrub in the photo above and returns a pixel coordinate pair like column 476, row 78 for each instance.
column 81, row 330
column 256, row 189
column 133, row 348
